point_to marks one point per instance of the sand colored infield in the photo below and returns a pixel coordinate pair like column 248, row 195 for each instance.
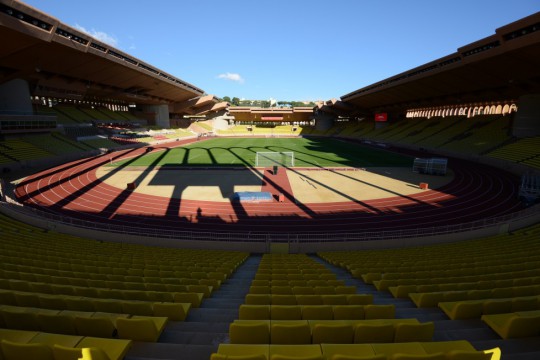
column 311, row 186
column 212, row 185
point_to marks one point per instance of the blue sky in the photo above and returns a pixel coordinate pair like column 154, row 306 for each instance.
column 287, row 49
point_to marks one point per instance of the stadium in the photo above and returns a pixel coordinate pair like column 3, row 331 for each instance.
column 142, row 218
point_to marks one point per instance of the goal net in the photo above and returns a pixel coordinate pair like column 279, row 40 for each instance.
column 433, row 166
column 264, row 159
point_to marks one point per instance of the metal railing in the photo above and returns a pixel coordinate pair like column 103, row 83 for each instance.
column 270, row 237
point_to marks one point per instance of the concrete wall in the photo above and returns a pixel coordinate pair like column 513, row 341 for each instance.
column 27, row 216
column 15, row 97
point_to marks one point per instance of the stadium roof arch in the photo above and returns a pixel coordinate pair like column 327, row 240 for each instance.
column 502, row 66
column 59, row 61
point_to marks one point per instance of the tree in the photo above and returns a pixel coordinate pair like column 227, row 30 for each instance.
column 235, row 101
column 227, row 99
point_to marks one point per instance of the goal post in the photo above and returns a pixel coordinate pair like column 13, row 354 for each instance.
column 268, row 158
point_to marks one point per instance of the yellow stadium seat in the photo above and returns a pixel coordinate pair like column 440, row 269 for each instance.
column 283, row 299
column 19, row 351
column 173, row 311
column 290, row 332
column 513, row 325
column 403, row 356
column 20, row 319
column 95, row 326
column 524, row 304
column 281, row 290
column 380, row 311
column 349, row 312
column 338, row 333
column 107, row 305
column 189, row 297
column 254, row 312
column 27, row 299
column 57, row 324
column 72, row 353
column 367, row 333
column 291, row 352
column 496, row 306
column 317, row 312
column 325, row 290
column 303, row 290
column 115, row 349
column 140, row 328
column 285, row 312
column 349, row 352
column 345, row 289
column 309, row 300
column 259, row 290
column 218, row 356
column 468, row 355
column 253, row 332
column 296, row 357
column 258, row 299
column 137, row 308
column 359, row 299
column 53, row 302
column 414, row 332
column 330, row 299
column 79, row 304
column 467, row 310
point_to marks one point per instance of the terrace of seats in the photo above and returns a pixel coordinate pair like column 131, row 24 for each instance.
column 14, row 149
column 243, row 130
column 524, row 151
column 191, row 303
column 39, row 146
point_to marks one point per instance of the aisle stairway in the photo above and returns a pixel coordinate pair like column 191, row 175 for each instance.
column 473, row 330
column 205, row 327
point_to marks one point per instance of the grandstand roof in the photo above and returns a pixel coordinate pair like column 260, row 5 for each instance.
column 503, row 66
column 60, row 61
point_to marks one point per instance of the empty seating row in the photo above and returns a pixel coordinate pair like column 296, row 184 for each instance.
column 329, row 331
column 432, row 299
column 470, row 309
column 286, row 282
column 330, row 299
column 514, row 325
column 107, row 325
column 113, row 281
column 20, row 344
column 513, row 277
column 330, row 287
column 443, row 350
column 13, row 262
column 402, row 291
column 316, row 312
column 294, row 276
column 194, row 297
column 176, row 311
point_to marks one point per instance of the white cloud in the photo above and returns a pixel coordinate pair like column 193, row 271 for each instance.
column 232, row 77
column 99, row 35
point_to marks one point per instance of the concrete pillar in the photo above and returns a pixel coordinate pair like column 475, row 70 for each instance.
column 526, row 122
column 161, row 112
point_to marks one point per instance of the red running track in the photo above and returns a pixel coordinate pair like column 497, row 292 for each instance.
column 476, row 192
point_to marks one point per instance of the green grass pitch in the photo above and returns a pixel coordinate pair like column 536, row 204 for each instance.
column 308, row 152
